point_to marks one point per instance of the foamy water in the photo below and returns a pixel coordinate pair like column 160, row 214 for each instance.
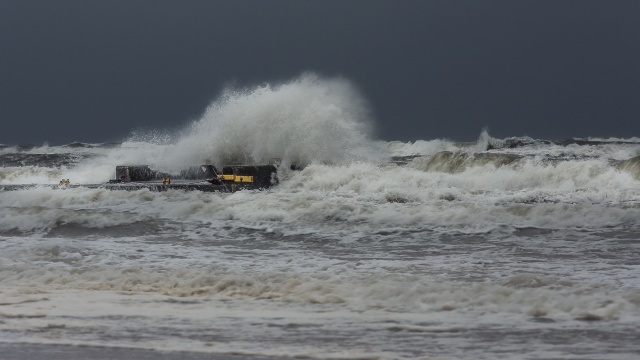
column 502, row 248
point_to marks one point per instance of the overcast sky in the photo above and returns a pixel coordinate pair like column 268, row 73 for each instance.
column 93, row 71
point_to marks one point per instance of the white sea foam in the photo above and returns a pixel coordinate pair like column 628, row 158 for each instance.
column 30, row 175
column 421, row 147
column 549, row 298
column 568, row 194
column 227, row 271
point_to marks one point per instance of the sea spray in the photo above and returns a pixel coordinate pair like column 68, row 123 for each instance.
column 307, row 120
column 486, row 142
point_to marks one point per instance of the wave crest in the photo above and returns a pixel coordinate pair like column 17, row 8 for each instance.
column 307, row 120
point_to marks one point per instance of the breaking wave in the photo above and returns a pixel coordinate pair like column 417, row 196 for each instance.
column 455, row 162
column 307, row 120
column 632, row 166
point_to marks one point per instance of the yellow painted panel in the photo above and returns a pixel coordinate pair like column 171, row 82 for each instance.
column 244, row 179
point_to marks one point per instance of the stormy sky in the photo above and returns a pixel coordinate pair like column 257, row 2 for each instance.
column 93, row 71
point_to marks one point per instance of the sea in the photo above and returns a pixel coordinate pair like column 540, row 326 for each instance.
column 500, row 248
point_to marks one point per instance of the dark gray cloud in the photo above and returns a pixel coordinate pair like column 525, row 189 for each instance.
column 95, row 71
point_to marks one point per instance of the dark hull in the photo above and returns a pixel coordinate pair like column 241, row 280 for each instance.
column 155, row 186
column 203, row 178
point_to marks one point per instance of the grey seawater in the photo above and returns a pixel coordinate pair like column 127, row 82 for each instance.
column 255, row 291
column 527, row 251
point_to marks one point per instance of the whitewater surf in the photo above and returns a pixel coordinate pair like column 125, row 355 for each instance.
column 513, row 247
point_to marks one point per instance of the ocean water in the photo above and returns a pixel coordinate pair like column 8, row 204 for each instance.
column 513, row 248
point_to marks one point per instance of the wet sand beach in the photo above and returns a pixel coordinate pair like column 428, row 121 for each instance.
column 71, row 352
